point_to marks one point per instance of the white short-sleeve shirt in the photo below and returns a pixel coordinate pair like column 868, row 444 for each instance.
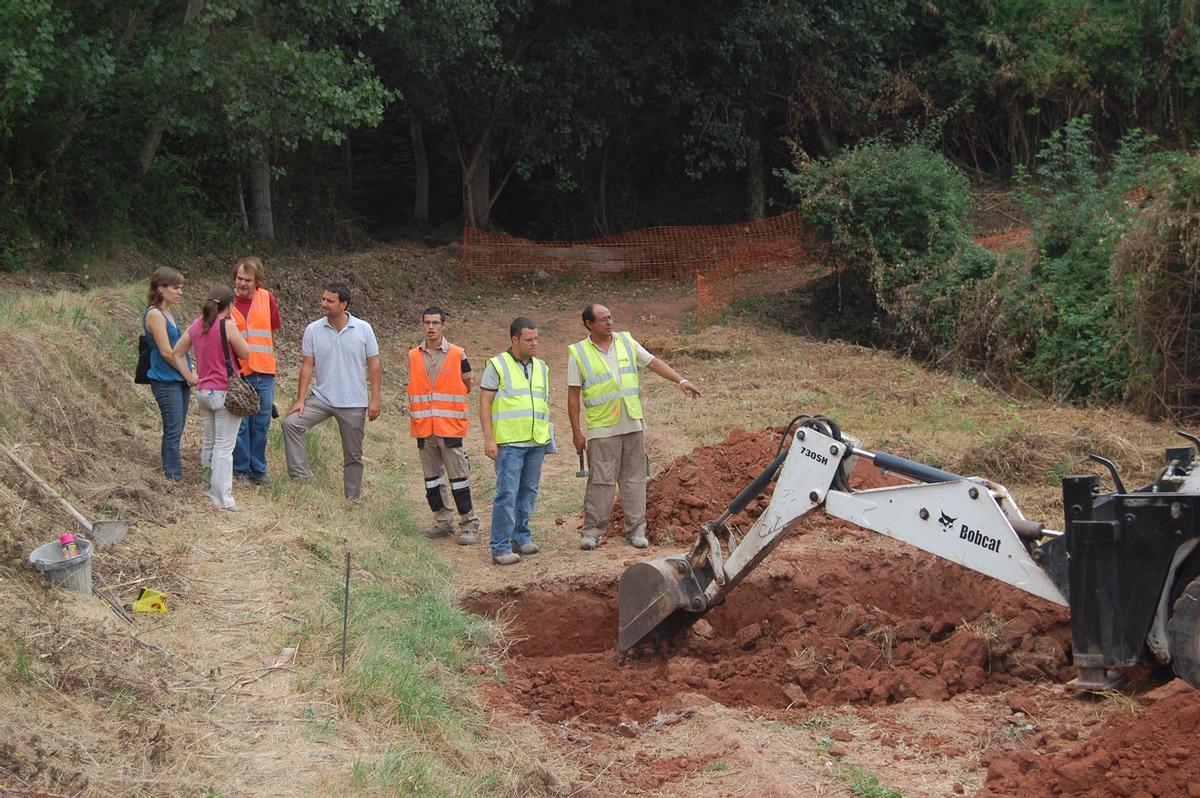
column 340, row 360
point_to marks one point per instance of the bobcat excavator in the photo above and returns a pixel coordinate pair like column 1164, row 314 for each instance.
column 1126, row 563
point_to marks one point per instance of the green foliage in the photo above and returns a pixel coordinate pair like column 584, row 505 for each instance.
column 896, row 217
column 1070, row 307
column 561, row 116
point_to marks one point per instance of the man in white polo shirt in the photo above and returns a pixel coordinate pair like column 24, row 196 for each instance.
column 342, row 353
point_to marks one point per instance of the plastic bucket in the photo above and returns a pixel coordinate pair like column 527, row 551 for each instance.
column 74, row 573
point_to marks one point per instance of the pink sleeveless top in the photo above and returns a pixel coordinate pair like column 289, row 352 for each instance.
column 210, row 361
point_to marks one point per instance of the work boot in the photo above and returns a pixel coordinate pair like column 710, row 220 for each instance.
column 528, row 548
column 467, row 538
column 438, row 532
column 507, row 558
column 638, row 541
column 587, row 543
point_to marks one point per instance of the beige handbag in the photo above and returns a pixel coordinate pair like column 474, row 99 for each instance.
column 240, row 397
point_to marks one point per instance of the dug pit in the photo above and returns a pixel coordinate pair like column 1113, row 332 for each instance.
column 823, row 621
column 836, row 614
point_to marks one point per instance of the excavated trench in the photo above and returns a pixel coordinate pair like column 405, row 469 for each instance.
column 819, row 623
column 835, row 615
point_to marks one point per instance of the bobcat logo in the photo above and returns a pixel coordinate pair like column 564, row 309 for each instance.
column 946, row 521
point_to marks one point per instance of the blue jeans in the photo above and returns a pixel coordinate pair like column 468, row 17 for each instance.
column 172, row 398
column 518, row 472
column 250, row 451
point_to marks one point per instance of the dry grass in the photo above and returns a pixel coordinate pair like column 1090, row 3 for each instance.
column 195, row 701
column 117, row 717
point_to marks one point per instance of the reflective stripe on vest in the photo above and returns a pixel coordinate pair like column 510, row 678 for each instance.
column 440, row 408
column 521, row 407
column 256, row 329
column 602, row 394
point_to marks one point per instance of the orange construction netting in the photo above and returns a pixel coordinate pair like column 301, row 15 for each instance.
column 673, row 253
column 999, row 243
column 727, row 262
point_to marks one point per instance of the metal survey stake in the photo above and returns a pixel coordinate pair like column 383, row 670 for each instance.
column 583, row 471
column 345, row 612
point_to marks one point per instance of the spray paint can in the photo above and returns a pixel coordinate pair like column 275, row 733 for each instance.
column 69, row 547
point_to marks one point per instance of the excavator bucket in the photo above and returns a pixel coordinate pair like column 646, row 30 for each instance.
column 656, row 599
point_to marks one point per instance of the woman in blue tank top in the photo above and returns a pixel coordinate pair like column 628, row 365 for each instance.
column 171, row 388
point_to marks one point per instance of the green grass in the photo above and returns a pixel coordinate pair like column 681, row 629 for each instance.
column 409, row 643
column 868, row 786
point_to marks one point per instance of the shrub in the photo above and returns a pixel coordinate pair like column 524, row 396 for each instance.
column 1069, row 306
column 896, row 218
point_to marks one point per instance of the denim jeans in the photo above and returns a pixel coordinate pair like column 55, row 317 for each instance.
column 518, row 472
column 172, row 398
column 250, row 452
column 220, row 432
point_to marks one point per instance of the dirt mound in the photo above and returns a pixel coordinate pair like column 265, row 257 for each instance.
column 1150, row 754
column 807, row 628
column 698, row 486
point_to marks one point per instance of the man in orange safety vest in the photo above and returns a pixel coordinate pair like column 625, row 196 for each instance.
column 257, row 316
column 439, row 379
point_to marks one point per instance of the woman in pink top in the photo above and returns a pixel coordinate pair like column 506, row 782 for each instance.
column 203, row 337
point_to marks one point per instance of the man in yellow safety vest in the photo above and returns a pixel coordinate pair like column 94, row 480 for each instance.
column 514, row 412
column 602, row 377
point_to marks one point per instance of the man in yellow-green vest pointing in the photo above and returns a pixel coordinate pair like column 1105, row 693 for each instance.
column 514, row 412
column 602, row 376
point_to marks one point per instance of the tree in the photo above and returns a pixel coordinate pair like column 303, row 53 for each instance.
column 275, row 86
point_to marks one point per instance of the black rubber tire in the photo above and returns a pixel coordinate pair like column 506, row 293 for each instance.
column 1183, row 634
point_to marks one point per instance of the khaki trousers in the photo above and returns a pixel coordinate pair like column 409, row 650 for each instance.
column 447, row 473
column 351, row 421
column 619, row 461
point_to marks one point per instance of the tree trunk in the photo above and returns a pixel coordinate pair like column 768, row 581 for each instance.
column 602, row 194
column 826, row 139
column 242, row 217
column 162, row 117
column 755, row 181
column 481, row 184
column 478, row 198
column 154, row 134
column 421, row 166
column 348, row 164
column 260, row 191
column 476, row 182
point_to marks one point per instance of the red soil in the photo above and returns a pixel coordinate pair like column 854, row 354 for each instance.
column 836, row 615
column 698, row 486
column 807, row 628
column 1152, row 753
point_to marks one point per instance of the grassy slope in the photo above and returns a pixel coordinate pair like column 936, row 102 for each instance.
column 97, row 710
column 90, row 707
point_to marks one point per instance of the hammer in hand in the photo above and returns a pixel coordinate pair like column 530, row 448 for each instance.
column 582, row 473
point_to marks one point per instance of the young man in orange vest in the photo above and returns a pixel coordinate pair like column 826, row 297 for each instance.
column 439, row 379
column 257, row 316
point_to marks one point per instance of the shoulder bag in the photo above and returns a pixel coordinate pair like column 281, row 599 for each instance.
column 145, row 344
column 240, row 397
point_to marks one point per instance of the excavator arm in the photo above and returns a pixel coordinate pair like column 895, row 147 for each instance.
column 967, row 521
column 970, row 521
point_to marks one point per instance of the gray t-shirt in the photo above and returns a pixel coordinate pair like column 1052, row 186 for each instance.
column 340, row 360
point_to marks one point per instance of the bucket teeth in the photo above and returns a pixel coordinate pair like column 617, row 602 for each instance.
column 657, row 598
